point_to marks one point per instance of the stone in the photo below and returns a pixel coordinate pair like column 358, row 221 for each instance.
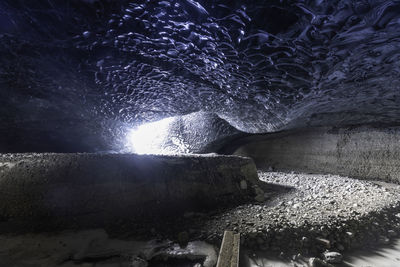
column 350, row 234
column 316, row 262
column 333, row 257
column 296, row 206
column 325, row 242
column 384, row 240
column 392, row 233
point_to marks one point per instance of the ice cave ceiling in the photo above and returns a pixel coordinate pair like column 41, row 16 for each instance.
column 75, row 74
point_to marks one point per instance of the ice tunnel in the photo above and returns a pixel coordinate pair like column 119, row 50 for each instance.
column 174, row 132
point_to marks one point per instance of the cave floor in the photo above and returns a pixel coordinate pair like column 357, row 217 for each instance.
column 379, row 256
column 301, row 216
column 306, row 213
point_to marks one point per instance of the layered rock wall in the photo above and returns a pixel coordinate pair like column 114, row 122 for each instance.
column 361, row 152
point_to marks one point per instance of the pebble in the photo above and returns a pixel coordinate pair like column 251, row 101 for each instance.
column 333, row 257
column 392, row 233
column 384, row 240
column 316, row 262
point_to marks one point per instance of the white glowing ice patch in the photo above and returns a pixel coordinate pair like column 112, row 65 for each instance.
column 150, row 138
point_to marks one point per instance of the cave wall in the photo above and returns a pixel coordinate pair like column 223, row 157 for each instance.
column 68, row 190
column 363, row 152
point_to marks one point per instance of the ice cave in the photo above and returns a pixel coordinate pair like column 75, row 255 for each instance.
column 189, row 133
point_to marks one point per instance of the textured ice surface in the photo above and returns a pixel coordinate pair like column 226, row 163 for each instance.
column 181, row 134
column 88, row 70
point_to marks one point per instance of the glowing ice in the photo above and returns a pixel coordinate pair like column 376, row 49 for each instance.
column 150, row 138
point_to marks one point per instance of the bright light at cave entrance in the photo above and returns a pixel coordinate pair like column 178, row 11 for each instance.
column 149, row 138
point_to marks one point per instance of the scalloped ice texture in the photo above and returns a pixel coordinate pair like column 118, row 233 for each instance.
column 75, row 75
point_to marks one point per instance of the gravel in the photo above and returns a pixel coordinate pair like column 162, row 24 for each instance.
column 309, row 214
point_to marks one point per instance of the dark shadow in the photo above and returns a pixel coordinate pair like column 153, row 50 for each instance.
column 381, row 255
column 172, row 262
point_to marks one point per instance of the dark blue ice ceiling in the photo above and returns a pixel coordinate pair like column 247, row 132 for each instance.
column 74, row 73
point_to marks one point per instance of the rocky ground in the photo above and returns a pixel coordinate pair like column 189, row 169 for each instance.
column 314, row 219
column 320, row 216
column 306, row 215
